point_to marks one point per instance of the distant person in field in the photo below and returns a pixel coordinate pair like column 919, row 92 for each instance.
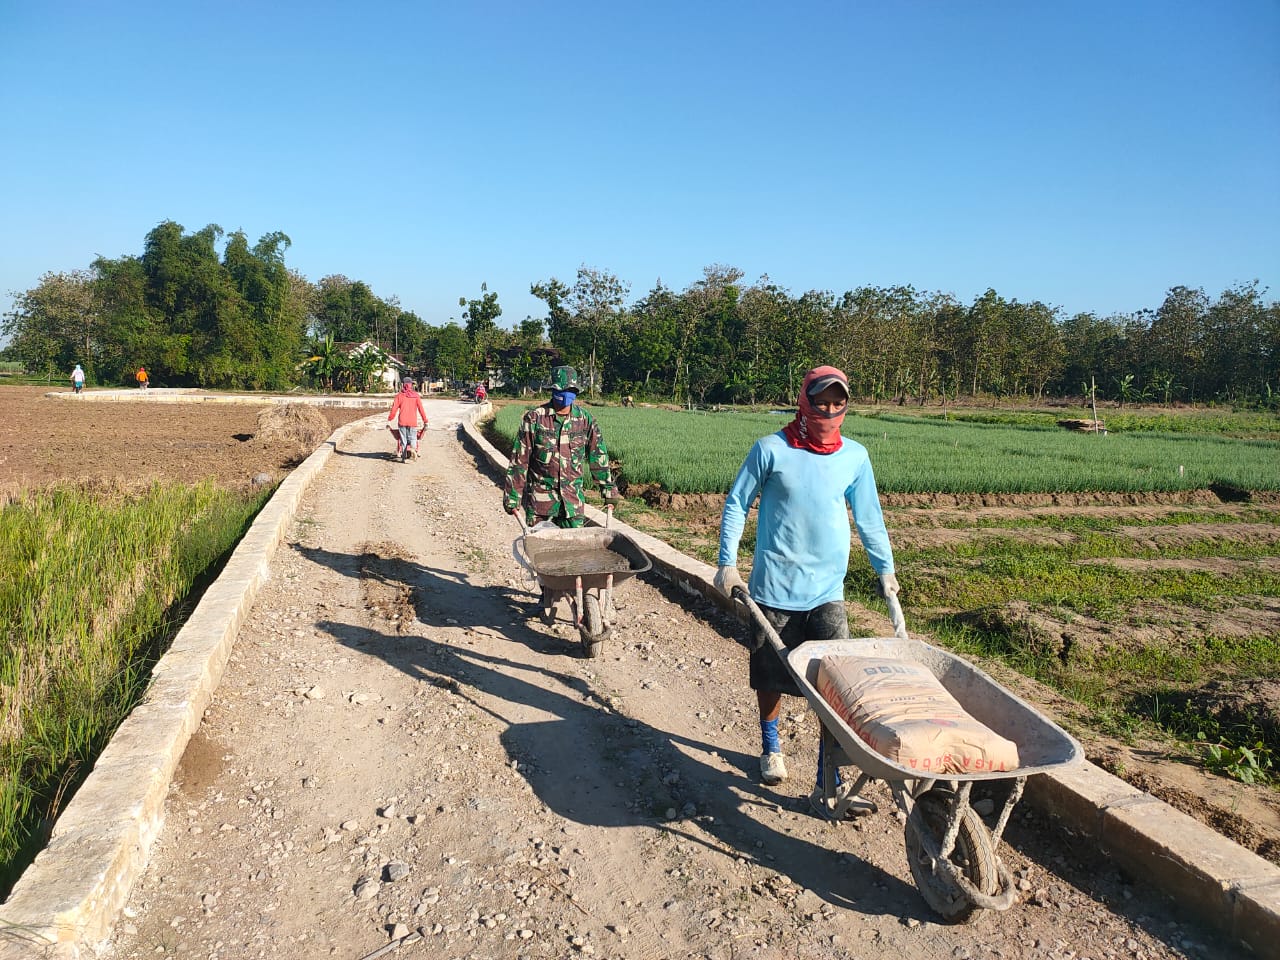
column 143, row 380
column 806, row 477
column 77, row 378
column 556, row 445
column 405, row 410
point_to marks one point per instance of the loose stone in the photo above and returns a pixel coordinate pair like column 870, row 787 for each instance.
column 395, row 870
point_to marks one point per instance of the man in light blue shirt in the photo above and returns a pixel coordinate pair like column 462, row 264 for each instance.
column 804, row 476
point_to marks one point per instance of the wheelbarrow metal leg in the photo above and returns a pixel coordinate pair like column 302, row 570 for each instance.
column 607, row 610
column 841, row 800
column 1015, row 794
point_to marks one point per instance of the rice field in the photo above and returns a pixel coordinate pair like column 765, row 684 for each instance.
column 700, row 452
column 90, row 588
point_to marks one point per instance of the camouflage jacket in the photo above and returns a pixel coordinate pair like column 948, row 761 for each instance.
column 550, row 460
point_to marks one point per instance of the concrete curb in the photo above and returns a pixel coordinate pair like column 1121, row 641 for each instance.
column 1228, row 887
column 183, row 395
column 72, row 893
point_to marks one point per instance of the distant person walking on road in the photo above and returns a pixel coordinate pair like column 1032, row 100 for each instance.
column 807, row 478
column 405, row 411
column 77, row 378
column 143, row 380
column 556, row 445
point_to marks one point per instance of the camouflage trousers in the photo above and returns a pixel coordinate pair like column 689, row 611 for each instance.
column 558, row 518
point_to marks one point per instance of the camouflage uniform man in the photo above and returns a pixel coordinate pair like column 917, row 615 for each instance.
column 556, row 444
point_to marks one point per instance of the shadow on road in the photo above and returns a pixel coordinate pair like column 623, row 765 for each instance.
column 436, row 600
column 594, row 765
column 388, row 455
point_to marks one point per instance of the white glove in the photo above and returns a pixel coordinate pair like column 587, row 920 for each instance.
column 888, row 585
column 726, row 579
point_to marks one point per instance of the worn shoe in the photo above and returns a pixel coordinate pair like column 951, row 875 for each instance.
column 853, row 806
column 773, row 769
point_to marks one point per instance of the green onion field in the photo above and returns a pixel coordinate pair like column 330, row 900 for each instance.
column 1156, row 617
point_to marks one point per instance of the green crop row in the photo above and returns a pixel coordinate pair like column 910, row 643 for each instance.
column 698, row 452
column 89, row 590
column 1211, row 422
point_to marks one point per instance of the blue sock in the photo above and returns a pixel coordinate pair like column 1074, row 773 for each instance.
column 769, row 736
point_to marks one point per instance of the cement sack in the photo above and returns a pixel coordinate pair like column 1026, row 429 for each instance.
column 903, row 712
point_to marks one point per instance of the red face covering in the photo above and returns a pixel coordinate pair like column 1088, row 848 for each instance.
column 812, row 429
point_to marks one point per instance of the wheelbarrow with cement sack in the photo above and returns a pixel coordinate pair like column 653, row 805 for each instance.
column 581, row 565
column 930, row 725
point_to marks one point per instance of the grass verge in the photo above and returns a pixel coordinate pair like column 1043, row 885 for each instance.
column 92, row 588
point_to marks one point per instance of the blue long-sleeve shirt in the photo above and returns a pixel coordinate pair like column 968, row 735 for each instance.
column 803, row 533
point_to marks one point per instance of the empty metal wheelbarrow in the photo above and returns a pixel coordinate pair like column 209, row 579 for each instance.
column 581, row 565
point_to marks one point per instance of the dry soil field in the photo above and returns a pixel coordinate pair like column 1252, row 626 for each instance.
column 46, row 439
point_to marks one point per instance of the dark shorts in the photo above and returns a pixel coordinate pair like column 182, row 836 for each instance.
column 766, row 669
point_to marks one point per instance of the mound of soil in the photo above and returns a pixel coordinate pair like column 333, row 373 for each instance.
column 1241, row 702
column 292, row 423
column 1027, row 629
column 1085, row 426
column 1074, row 638
column 653, row 495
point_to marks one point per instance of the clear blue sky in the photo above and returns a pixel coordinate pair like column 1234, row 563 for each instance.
column 1087, row 154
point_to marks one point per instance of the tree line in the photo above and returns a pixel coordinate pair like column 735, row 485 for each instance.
column 194, row 315
column 242, row 319
column 723, row 341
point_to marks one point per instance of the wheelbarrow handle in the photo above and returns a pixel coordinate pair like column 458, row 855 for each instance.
column 764, row 626
column 896, row 617
column 520, row 547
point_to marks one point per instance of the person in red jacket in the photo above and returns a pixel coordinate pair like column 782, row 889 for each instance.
column 405, row 412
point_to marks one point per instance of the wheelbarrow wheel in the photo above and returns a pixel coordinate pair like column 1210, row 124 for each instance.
column 592, row 632
column 973, row 856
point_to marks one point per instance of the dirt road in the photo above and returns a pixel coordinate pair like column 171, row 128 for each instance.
column 400, row 745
